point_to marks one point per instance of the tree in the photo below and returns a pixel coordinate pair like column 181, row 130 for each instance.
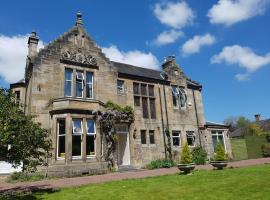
column 220, row 154
column 243, row 122
column 186, row 156
column 22, row 141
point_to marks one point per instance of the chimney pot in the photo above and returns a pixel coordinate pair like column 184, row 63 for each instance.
column 257, row 117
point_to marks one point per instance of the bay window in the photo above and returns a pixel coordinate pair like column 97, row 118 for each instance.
column 77, row 138
column 218, row 136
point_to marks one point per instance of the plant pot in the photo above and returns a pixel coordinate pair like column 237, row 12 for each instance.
column 186, row 168
column 219, row 164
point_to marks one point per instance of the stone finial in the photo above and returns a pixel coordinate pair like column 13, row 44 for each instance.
column 169, row 61
column 32, row 44
column 79, row 19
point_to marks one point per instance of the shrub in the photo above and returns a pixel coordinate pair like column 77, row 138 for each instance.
column 267, row 137
column 199, row 155
column 186, row 156
column 220, row 154
column 160, row 163
column 24, row 176
column 266, row 150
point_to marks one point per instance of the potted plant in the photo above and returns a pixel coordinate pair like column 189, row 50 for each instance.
column 220, row 159
column 186, row 164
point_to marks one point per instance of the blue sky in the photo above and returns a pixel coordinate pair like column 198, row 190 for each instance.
column 222, row 44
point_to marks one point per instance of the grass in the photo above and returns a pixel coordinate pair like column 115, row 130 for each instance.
column 254, row 144
column 240, row 183
column 239, row 149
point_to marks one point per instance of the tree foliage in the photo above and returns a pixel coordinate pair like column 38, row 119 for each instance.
column 186, row 156
column 22, row 141
column 199, row 155
column 169, row 143
column 220, row 154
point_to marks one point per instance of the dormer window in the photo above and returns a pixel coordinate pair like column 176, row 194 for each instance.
column 179, row 97
column 79, row 84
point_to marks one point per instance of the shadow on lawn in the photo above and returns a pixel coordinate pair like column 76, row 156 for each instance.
column 25, row 193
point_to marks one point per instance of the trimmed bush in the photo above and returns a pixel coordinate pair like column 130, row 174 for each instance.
column 199, row 155
column 160, row 163
column 186, row 156
column 23, row 177
column 220, row 154
column 266, row 150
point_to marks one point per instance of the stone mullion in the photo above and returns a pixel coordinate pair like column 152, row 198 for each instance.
column 84, row 140
column 68, row 150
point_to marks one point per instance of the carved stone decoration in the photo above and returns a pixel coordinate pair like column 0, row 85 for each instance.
column 78, row 57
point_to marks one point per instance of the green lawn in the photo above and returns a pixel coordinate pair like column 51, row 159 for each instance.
column 241, row 183
column 239, row 149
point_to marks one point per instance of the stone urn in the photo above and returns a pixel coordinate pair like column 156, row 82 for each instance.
column 186, row 168
column 219, row 164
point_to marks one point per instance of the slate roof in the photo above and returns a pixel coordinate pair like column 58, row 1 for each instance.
column 216, row 125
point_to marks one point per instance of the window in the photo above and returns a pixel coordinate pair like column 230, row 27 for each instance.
column 145, row 107
column 151, row 90
column 191, row 138
column 218, row 136
column 136, row 88
column 68, row 82
column 152, row 136
column 77, row 138
column 143, row 90
column 176, row 139
column 120, row 86
column 61, row 138
column 143, row 136
column 79, row 84
column 89, row 85
column 137, row 101
column 90, row 138
column 152, row 108
column 17, row 95
column 179, row 97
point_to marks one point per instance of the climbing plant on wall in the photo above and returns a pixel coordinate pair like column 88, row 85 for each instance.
column 113, row 115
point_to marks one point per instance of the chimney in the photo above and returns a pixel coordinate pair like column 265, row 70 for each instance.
column 257, row 117
column 32, row 44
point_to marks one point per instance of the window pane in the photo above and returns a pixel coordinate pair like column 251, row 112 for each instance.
column 76, row 145
column 137, row 101
column 77, row 126
column 145, row 108
column 68, row 82
column 175, row 96
column 61, row 146
column 176, row 138
column 61, row 127
column 214, row 141
column 152, row 136
column 79, row 88
column 183, row 97
column 89, row 85
column 120, row 86
column 90, row 126
column 136, row 88
column 90, row 145
column 153, row 108
column 151, row 90
column 190, row 138
column 143, row 89
column 143, row 136
column 80, row 75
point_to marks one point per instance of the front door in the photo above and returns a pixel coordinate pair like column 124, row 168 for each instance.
column 123, row 149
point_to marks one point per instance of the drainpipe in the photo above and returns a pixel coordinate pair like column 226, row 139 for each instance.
column 197, row 119
column 162, row 122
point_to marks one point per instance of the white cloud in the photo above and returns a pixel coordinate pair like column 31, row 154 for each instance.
column 194, row 45
column 176, row 15
column 167, row 37
column 242, row 56
column 229, row 12
column 135, row 57
column 13, row 51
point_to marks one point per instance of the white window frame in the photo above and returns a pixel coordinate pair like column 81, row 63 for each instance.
column 57, row 150
column 90, row 84
column 179, row 137
column 76, row 134
column 82, row 80
column 121, row 89
column 67, row 80
column 92, row 134
column 188, row 134
column 215, row 133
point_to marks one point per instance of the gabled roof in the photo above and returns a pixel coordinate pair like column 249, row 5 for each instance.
column 20, row 83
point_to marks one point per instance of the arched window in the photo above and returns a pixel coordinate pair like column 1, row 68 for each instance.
column 179, row 97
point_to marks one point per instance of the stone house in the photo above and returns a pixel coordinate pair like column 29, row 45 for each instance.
column 70, row 79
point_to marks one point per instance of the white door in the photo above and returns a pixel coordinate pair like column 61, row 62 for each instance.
column 123, row 149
